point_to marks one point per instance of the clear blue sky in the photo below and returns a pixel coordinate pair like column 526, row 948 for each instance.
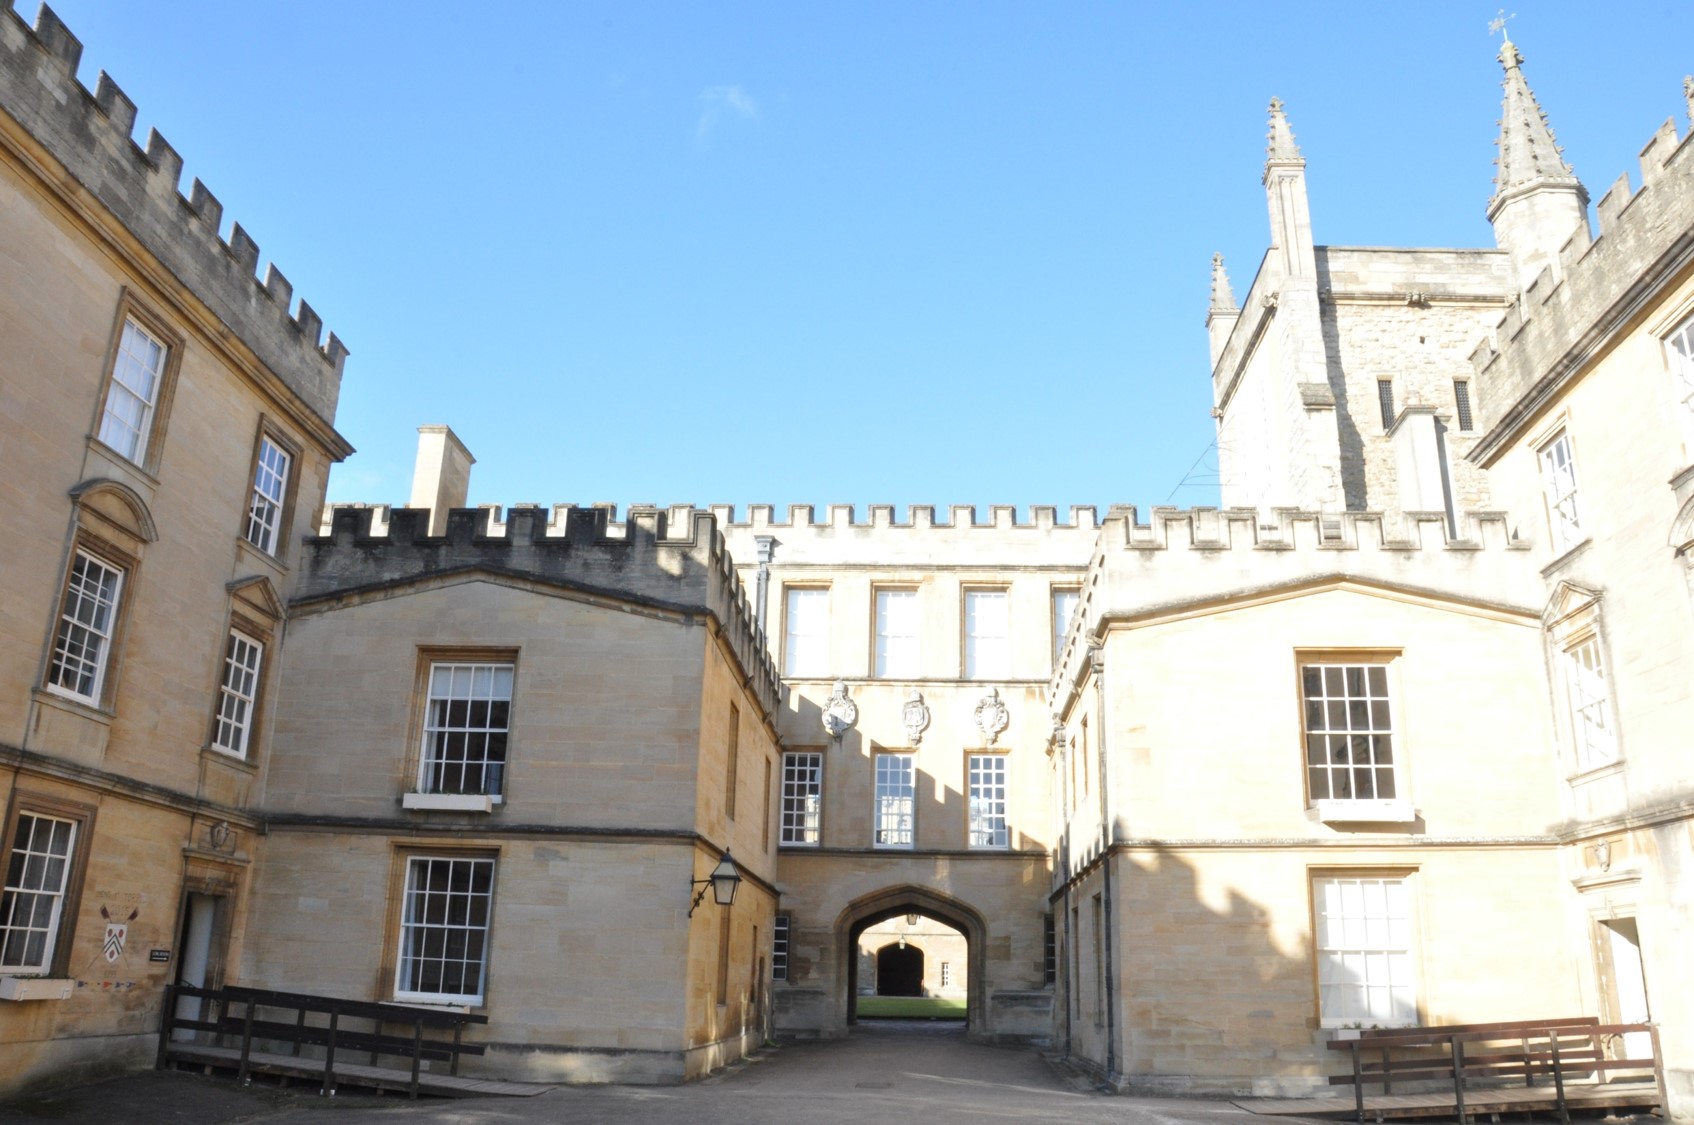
column 860, row 253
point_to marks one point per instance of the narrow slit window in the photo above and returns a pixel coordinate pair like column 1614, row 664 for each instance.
column 1385, row 400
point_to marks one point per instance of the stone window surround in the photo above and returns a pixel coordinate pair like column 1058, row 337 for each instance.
column 1407, row 878
column 996, row 780
column 1354, row 810
column 268, row 431
column 911, row 665
column 249, row 701
column 894, row 811
column 131, row 309
column 791, row 654
column 1565, row 529
column 1574, row 624
column 25, row 802
column 969, row 660
column 417, row 796
column 401, row 882
column 801, row 808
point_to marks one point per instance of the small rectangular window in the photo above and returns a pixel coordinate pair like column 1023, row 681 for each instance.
column 802, row 797
column 1385, row 400
column 1680, row 350
column 444, row 930
column 779, row 948
column 1049, row 951
column 1558, row 475
column 237, row 694
column 733, row 764
column 896, row 800
column 987, row 640
column 1064, row 605
column 946, row 974
column 1461, row 404
column 270, row 486
column 82, row 645
column 896, row 633
column 467, row 718
column 1349, row 732
column 1590, row 704
column 806, row 651
column 988, row 801
column 138, row 372
column 38, row 873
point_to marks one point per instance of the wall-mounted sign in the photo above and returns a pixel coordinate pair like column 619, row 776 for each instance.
column 159, row 955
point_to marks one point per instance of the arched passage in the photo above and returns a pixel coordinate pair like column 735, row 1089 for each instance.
column 879, row 906
column 899, row 970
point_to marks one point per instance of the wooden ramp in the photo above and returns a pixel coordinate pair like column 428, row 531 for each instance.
column 1441, row 1103
column 352, row 1074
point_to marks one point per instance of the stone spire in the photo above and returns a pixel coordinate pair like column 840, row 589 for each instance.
column 1223, row 313
column 1529, row 157
column 1688, row 95
column 1538, row 202
column 1223, row 297
column 1280, row 148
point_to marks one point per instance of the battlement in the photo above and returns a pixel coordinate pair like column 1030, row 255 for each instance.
column 650, row 558
column 1566, row 315
column 1002, row 517
column 1184, row 558
column 92, row 136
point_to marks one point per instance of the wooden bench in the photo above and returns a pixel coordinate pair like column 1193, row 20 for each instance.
column 1546, row 1056
column 346, row 1026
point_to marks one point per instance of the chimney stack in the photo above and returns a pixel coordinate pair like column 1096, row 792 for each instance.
column 442, row 479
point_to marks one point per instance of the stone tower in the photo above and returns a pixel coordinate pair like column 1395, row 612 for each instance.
column 1538, row 202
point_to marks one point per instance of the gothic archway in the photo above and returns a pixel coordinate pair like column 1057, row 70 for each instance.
column 879, row 906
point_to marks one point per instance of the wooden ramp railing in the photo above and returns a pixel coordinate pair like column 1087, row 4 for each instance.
column 1548, row 1057
column 257, row 1029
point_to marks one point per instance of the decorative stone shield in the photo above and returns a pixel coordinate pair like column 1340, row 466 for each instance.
column 840, row 713
column 915, row 716
column 991, row 716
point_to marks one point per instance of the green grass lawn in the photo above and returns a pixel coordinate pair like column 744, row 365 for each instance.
column 911, row 1007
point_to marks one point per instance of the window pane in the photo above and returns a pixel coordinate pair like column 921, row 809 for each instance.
column 443, row 938
column 1362, row 937
column 466, row 727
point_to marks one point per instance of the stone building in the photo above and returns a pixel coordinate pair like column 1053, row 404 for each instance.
column 1390, row 738
column 167, row 434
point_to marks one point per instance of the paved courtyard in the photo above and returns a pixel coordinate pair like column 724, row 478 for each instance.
column 886, row 1071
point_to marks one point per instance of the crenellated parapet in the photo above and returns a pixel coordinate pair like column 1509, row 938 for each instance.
column 1570, row 314
column 92, row 136
column 1003, row 517
column 649, row 558
column 1181, row 560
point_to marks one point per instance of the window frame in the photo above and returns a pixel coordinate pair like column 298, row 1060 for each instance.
column 1464, row 409
column 160, row 330
column 260, row 640
column 56, row 961
column 105, row 678
column 1564, row 527
column 405, row 859
column 1396, row 808
column 732, row 760
column 808, row 820
column 1062, row 629
column 789, row 650
column 419, row 742
column 1003, row 767
column 269, row 434
column 969, row 659
column 781, row 929
column 913, row 665
column 1406, row 877
column 1385, row 403
column 906, row 825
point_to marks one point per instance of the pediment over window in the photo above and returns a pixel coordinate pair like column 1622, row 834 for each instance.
column 1568, row 600
column 258, row 595
column 117, row 506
